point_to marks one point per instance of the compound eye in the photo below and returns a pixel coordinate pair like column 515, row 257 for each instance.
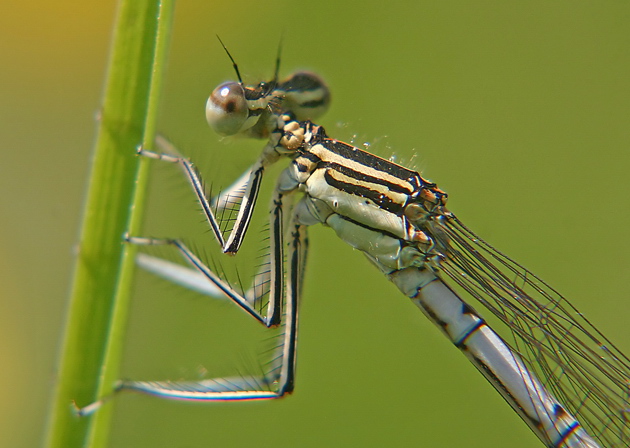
column 226, row 109
column 306, row 95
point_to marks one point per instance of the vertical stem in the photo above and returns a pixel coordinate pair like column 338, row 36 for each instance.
column 96, row 319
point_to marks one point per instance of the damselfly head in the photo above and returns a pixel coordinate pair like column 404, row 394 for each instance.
column 234, row 107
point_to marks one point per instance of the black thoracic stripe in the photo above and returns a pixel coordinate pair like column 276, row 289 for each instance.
column 360, row 224
column 382, row 200
column 352, row 153
column 397, row 188
column 304, row 166
column 310, row 157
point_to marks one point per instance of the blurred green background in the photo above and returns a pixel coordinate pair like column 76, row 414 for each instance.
column 520, row 111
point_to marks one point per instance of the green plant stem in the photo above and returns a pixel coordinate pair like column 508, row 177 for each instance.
column 94, row 331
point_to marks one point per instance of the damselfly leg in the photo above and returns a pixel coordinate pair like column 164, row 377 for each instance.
column 283, row 300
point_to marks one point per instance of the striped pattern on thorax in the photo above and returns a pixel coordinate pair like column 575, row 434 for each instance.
column 360, row 186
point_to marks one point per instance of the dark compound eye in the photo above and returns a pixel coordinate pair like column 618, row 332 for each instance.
column 226, row 109
column 306, row 95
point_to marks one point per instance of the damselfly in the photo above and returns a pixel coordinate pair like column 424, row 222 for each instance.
column 568, row 382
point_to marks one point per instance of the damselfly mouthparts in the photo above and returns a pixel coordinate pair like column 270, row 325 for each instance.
column 568, row 382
